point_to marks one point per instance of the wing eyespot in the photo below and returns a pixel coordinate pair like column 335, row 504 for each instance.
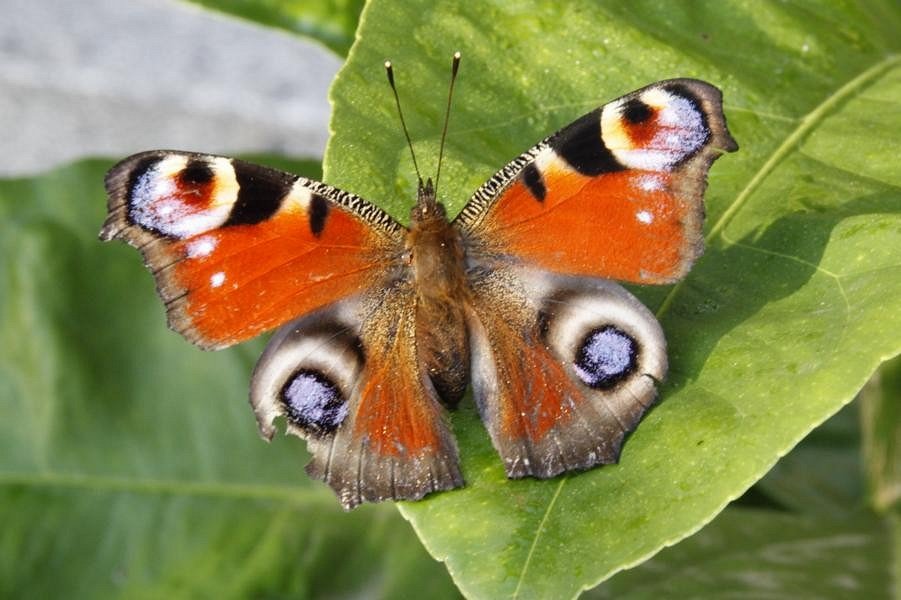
column 313, row 402
column 606, row 356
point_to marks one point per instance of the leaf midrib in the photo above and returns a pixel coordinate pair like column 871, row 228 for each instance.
column 538, row 531
column 791, row 143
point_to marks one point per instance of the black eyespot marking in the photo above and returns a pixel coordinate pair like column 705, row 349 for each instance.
column 533, row 181
column 581, row 146
column 196, row 172
column 313, row 402
column 318, row 212
column 635, row 111
column 260, row 193
column 607, row 356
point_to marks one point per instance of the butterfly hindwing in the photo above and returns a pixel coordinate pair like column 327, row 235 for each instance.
column 237, row 248
column 616, row 194
column 563, row 368
column 346, row 378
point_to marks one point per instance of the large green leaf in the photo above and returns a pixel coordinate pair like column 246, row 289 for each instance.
column 331, row 22
column 794, row 305
column 762, row 554
column 129, row 461
column 821, row 543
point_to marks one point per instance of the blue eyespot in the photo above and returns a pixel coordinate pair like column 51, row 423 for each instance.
column 606, row 356
column 313, row 402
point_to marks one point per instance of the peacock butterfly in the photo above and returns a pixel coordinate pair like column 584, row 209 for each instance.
column 383, row 326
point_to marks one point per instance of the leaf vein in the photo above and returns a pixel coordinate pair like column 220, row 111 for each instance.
column 538, row 531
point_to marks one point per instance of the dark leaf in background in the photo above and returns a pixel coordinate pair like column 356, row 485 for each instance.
column 331, row 22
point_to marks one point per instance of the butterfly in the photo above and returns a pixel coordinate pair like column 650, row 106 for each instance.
column 383, row 327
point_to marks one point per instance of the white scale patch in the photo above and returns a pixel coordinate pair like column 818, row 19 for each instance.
column 299, row 196
column 156, row 204
column 650, row 183
column 217, row 279
column 644, row 217
column 547, row 160
column 681, row 132
column 202, row 247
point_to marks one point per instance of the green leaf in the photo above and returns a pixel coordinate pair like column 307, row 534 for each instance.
column 820, row 544
column 331, row 22
column 792, row 308
column 130, row 464
column 763, row 554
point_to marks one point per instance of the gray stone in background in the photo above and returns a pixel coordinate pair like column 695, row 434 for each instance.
column 112, row 77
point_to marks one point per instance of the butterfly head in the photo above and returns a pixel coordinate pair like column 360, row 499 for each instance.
column 427, row 206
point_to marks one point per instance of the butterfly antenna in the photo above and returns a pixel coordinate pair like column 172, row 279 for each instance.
column 455, row 66
column 390, row 70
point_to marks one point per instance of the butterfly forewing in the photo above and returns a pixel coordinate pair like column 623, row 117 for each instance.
column 616, row 194
column 238, row 249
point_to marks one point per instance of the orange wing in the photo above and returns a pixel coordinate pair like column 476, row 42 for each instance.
column 617, row 194
column 347, row 379
column 238, row 249
column 563, row 367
